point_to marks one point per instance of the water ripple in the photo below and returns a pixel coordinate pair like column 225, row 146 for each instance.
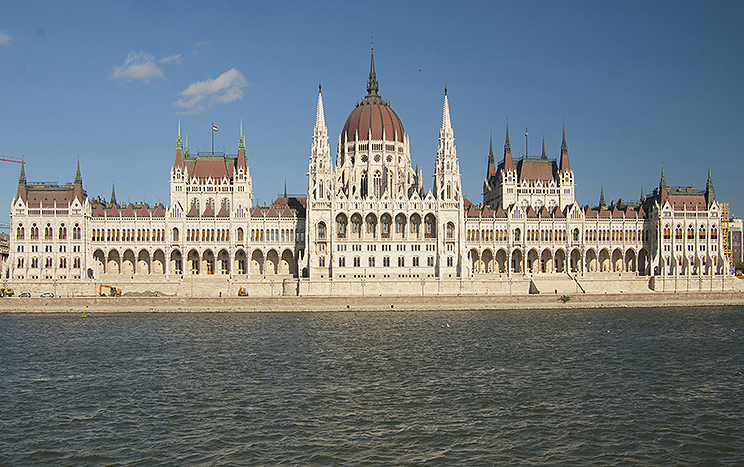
column 611, row 387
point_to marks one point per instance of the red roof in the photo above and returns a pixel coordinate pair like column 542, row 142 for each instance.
column 375, row 115
column 533, row 170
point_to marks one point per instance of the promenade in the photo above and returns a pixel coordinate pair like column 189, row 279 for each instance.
column 353, row 304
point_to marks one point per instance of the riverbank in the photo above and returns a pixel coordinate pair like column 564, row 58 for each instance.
column 338, row 304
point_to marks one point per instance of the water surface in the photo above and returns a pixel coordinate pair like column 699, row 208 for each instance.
column 659, row 386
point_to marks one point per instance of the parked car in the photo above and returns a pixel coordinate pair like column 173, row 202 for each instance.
column 47, row 295
column 24, row 295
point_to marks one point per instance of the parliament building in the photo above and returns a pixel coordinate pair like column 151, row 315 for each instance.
column 367, row 225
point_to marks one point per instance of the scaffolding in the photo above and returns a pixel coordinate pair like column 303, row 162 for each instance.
column 726, row 232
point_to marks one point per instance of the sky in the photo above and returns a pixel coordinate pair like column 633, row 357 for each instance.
column 639, row 86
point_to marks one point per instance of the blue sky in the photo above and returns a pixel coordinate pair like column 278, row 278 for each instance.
column 639, row 85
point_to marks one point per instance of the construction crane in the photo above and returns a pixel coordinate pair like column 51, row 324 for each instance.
column 17, row 160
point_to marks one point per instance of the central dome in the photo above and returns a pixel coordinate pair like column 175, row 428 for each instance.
column 373, row 118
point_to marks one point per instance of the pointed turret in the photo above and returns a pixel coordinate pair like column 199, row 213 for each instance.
column 372, row 86
column 544, row 154
column 601, row 198
column 179, row 149
column 663, row 184
column 565, row 166
column 710, row 193
column 22, row 184
column 78, row 184
column 113, row 194
column 491, row 171
column 508, row 165
column 446, row 123
column 242, row 162
column 643, row 196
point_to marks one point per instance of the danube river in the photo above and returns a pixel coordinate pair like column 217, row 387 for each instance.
column 611, row 386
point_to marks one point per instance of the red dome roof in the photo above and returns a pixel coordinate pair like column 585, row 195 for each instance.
column 373, row 115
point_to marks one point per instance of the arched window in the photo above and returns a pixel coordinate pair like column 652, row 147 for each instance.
column 400, row 224
column 576, row 235
column 667, row 232
column 62, row 232
column 341, row 224
column 377, row 181
column 240, row 234
column 430, row 226
column 321, row 231
column 450, row 231
column 678, row 233
column 690, row 233
column 517, row 234
column 371, row 221
column 175, row 234
column 363, row 189
column 415, row 228
column 19, row 232
column 713, row 233
column 701, row 234
column 385, row 222
column 356, row 226
column 48, row 232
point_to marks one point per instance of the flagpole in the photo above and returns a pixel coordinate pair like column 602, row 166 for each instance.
column 212, row 138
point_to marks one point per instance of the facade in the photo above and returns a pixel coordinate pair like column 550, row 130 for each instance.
column 367, row 219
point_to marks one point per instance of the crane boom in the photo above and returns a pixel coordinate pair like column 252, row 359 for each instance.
column 11, row 159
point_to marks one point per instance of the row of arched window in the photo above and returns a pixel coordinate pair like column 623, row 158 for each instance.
column 404, row 226
column 128, row 235
column 273, row 235
column 48, row 232
column 615, row 235
column 678, row 234
column 205, row 235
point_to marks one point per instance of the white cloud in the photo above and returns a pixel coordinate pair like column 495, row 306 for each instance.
column 224, row 89
column 171, row 58
column 137, row 66
column 4, row 38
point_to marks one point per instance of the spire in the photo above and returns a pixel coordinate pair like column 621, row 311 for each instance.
column 186, row 144
column 491, row 171
column 285, row 188
column 372, row 86
column 241, row 140
column 565, row 166
column 663, row 184
column 601, row 198
column 78, row 178
column 22, row 183
column 179, row 148
column 710, row 192
column 446, row 124
column 179, row 143
column 544, row 155
column 242, row 162
column 643, row 197
column 113, row 194
column 319, row 113
column 78, row 184
column 507, row 151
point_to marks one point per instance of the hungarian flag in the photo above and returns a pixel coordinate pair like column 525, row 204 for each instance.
column 214, row 127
